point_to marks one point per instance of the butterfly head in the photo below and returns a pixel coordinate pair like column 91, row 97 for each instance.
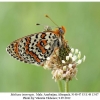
column 60, row 31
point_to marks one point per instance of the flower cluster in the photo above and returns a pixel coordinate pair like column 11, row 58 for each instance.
column 64, row 67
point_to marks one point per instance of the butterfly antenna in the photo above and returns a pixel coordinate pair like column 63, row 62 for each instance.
column 51, row 20
column 37, row 24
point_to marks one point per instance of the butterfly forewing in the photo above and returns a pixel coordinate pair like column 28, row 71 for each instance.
column 34, row 48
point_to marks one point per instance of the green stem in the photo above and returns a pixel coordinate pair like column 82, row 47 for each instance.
column 60, row 86
column 66, row 87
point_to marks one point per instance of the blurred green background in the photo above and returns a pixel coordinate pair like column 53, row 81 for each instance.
column 82, row 21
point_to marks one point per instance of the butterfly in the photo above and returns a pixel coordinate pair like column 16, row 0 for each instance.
column 37, row 47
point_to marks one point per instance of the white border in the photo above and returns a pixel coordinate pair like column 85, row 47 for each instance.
column 48, row 95
column 49, row 0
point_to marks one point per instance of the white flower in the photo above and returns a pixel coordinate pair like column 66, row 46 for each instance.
column 64, row 68
column 79, row 55
column 79, row 61
column 63, row 61
column 74, row 58
column 76, row 51
column 70, row 66
column 84, row 58
column 72, row 50
column 67, row 58
column 70, row 55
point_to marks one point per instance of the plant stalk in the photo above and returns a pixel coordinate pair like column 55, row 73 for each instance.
column 60, row 86
column 66, row 87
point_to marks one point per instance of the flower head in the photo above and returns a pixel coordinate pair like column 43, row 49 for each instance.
column 63, row 63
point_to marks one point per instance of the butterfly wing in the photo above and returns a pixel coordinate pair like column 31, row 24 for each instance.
column 34, row 48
